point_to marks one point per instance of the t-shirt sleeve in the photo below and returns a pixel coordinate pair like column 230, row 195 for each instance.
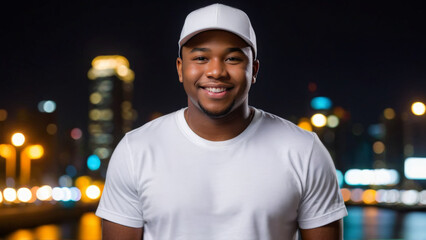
column 322, row 202
column 120, row 202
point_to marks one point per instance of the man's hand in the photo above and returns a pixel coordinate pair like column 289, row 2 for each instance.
column 114, row 231
column 331, row 231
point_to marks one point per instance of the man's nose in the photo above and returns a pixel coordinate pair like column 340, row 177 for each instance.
column 216, row 69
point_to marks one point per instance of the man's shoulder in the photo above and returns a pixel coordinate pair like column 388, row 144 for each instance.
column 156, row 127
column 281, row 127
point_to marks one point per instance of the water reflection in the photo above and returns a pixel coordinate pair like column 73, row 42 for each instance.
column 379, row 223
column 361, row 223
column 88, row 228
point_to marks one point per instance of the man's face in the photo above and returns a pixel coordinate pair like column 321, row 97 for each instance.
column 217, row 70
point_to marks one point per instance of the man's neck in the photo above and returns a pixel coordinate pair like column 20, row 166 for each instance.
column 219, row 129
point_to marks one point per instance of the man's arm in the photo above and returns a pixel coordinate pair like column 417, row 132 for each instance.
column 331, row 231
column 114, row 231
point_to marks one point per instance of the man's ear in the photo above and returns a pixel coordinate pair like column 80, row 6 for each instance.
column 179, row 68
column 255, row 70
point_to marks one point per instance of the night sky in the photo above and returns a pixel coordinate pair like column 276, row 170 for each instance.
column 364, row 55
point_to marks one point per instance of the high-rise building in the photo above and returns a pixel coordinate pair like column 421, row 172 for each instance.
column 110, row 108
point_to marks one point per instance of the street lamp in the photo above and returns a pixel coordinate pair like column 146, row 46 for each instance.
column 8, row 151
column 30, row 152
column 18, row 139
column 418, row 108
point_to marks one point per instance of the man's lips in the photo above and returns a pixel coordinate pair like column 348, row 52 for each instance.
column 216, row 91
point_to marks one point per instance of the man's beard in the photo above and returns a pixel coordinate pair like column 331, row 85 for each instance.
column 219, row 114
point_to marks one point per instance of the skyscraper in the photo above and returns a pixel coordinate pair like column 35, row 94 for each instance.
column 110, row 107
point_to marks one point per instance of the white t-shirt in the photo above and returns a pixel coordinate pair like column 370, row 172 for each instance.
column 260, row 185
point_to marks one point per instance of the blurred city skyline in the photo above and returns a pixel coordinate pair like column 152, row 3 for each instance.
column 364, row 56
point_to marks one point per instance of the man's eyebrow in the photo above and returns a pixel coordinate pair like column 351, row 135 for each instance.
column 200, row 50
column 229, row 50
column 236, row 49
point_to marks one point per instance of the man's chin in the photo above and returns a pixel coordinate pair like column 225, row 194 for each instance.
column 216, row 114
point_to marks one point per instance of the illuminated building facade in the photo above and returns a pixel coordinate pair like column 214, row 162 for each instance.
column 110, row 106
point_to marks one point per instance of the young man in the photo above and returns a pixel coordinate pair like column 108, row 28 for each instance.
column 220, row 169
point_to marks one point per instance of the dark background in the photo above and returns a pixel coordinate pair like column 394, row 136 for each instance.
column 364, row 55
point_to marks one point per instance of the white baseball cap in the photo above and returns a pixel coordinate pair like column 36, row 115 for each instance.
column 218, row 17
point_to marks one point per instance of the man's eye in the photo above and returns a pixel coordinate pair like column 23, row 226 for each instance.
column 200, row 59
column 233, row 59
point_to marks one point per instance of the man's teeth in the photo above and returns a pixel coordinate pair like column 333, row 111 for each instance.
column 215, row 90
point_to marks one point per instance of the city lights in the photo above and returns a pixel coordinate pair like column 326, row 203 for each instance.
column 9, row 153
column 304, row 123
column 44, row 193
column 93, row 192
column 65, row 181
column 95, row 98
column 3, row 115
column 410, row 197
column 18, row 139
column 108, row 65
column 321, row 103
column 76, row 133
column 24, row 194
column 418, row 108
column 30, row 152
column 378, row 147
column 319, row 120
column 9, row 194
column 369, row 196
column 48, row 106
column 355, row 177
column 93, row 162
column 332, row 121
column 415, row 168
column 389, row 113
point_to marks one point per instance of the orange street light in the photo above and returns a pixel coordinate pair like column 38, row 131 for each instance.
column 418, row 108
column 8, row 151
column 30, row 152
column 18, row 139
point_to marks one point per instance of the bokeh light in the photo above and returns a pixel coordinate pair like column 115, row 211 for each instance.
column 378, row 147
column 75, row 194
column 369, row 196
column 24, row 194
column 3, row 115
column 418, row 108
column 332, row 121
column 389, row 113
column 57, row 194
column 410, row 197
column 415, row 168
column 93, row 162
column 93, row 192
column 1, row 197
column 346, row 194
column 71, row 171
column 304, row 123
column 44, row 193
column 356, row 195
column 47, row 232
column 76, row 133
column 47, row 106
column 321, row 103
column 319, row 120
column 95, row 98
column 65, row 181
column 18, row 139
column 9, row 194
column 35, row 151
